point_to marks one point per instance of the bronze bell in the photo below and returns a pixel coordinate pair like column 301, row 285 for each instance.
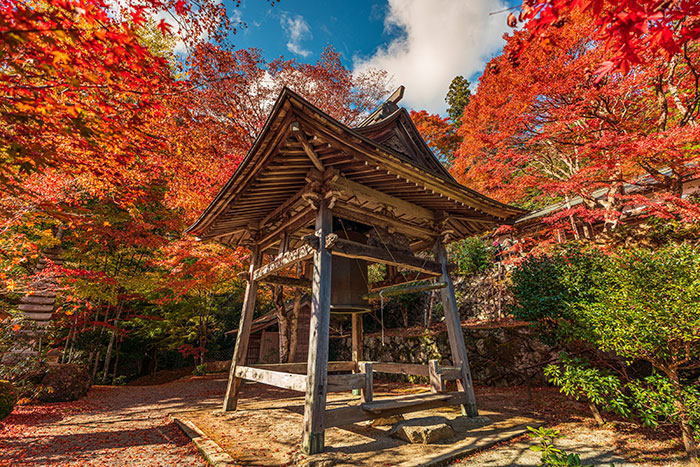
column 349, row 279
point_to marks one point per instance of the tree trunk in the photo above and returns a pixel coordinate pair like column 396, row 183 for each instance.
column 294, row 329
column 282, row 323
column 431, row 309
column 108, row 355
column 596, row 414
column 116, row 360
column 94, row 367
column 691, row 447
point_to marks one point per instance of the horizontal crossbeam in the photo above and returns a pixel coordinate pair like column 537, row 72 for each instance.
column 353, row 414
column 286, row 260
column 297, row 382
column 349, row 249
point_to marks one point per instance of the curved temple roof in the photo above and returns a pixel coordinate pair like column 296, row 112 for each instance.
column 382, row 169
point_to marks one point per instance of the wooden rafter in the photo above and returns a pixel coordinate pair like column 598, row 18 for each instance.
column 308, row 149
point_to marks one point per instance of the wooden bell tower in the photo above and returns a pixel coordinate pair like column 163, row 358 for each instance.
column 307, row 172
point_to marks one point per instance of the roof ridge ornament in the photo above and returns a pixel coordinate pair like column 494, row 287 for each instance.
column 386, row 108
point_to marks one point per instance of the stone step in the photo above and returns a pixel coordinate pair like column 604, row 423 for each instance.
column 30, row 307
column 37, row 317
column 43, row 294
column 44, row 261
column 38, row 299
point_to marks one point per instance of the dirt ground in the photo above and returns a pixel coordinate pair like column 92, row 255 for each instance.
column 266, row 431
column 129, row 426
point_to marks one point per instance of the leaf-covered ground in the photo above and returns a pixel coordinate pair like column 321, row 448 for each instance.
column 113, row 426
column 129, row 426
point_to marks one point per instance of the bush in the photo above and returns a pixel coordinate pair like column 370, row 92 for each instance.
column 578, row 380
column 8, row 398
column 200, row 370
column 64, row 383
column 548, row 288
column 639, row 304
column 550, row 455
column 471, row 255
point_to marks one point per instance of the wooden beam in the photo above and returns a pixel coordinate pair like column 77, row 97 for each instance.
column 366, row 194
column 301, row 368
column 353, row 414
column 291, row 381
column 399, row 280
column 391, row 292
column 286, row 206
column 401, row 402
column 356, row 213
column 313, row 437
column 293, row 224
column 350, row 249
column 342, row 383
column 241, row 350
column 296, row 381
column 358, row 342
column 454, row 332
column 293, row 282
column 401, row 368
column 286, row 260
column 437, row 384
column 357, row 338
column 308, row 149
column 367, row 392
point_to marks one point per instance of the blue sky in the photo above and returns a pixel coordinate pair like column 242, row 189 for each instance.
column 423, row 44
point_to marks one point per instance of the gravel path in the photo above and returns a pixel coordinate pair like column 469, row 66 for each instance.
column 596, row 447
column 113, row 426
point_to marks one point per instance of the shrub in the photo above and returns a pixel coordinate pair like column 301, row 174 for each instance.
column 578, row 380
column 471, row 255
column 548, row 288
column 200, row 370
column 8, row 398
column 552, row 456
column 64, row 383
column 654, row 401
column 639, row 304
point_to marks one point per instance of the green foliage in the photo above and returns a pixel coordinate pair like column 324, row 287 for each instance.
column 471, row 255
column 200, row 370
column 577, row 379
column 552, row 456
column 647, row 306
column 8, row 398
column 457, row 99
column 639, row 304
column 547, row 289
column 654, row 401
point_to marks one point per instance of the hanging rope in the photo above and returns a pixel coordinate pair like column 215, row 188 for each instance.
column 381, row 296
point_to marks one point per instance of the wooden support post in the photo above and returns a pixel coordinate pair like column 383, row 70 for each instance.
column 367, row 391
column 357, row 338
column 315, row 404
column 241, row 350
column 437, row 384
column 357, row 343
column 454, row 331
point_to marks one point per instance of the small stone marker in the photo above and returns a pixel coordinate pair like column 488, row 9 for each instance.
column 422, row 430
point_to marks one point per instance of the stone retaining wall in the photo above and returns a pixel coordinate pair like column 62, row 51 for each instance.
column 499, row 356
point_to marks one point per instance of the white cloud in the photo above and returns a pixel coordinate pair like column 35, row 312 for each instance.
column 297, row 30
column 439, row 40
